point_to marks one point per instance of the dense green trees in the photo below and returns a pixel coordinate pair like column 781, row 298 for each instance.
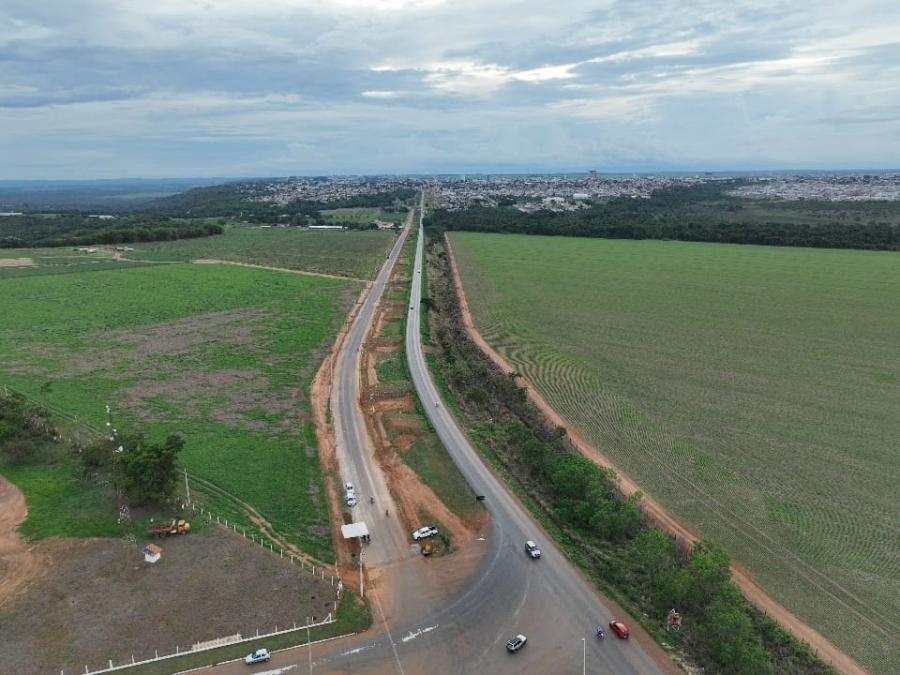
column 77, row 229
column 149, row 470
column 23, row 428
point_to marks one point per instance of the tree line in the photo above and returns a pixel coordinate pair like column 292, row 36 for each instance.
column 604, row 531
column 77, row 229
column 146, row 469
column 702, row 212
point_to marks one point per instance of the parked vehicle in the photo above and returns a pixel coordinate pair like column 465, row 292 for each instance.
column 350, row 494
column 259, row 656
column 532, row 550
column 619, row 628
column 423, row 532
column 172, row 527
column 516, row 643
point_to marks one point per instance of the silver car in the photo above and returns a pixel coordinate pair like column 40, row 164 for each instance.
column 259, row 656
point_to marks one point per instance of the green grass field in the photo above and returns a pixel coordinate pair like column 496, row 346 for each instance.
column 60, row 504
column 362, row 215
column 60, row 260
column 352, row 253
column 754, row 391
column 221, row 354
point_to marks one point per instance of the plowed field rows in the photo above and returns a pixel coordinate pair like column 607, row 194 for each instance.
column 753, row 390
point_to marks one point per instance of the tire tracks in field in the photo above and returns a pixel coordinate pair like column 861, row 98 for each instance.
column 751, row 589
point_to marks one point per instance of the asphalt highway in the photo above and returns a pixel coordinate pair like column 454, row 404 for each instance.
column 454, row 614
column 353, row 446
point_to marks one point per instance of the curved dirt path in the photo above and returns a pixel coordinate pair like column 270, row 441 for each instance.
column 653, row 510
column 19, row 565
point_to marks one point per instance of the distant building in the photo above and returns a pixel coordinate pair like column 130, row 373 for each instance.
column 326, row 227
column 580, row 196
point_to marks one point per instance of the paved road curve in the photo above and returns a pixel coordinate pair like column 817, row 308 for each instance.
column 454, row 614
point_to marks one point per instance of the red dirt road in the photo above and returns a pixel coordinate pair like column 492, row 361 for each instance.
column 19, row 564
column 752, row 590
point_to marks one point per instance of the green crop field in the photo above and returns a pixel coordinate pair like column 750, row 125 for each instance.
column 754, row 391
column 57, row 261
column 223, row 355
column 353, row 253
column 362, row 215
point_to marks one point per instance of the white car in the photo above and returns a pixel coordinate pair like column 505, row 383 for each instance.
column 259, row 656
column 532, row 550
column 350, row 494
column 423, row 532
column 516, row 643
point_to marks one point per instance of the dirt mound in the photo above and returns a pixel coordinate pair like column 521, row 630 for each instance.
column 19, row 564
column 17, row 262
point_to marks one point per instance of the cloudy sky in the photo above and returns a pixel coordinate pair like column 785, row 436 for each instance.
column 121, row 88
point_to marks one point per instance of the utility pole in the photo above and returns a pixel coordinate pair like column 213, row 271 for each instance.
column 187, row 487
column 583, row 656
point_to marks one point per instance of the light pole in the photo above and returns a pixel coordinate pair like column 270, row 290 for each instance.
column 583, row 656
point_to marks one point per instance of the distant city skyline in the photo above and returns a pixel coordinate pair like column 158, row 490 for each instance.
column 232, row 88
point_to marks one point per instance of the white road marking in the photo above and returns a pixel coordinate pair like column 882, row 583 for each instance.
column 413, row 636
column 351, row 652
column 277, row 671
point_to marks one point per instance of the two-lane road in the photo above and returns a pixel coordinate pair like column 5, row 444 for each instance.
column 354, row 450
column 454, row 614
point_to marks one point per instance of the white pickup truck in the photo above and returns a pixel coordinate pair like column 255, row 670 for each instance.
column 350, row 495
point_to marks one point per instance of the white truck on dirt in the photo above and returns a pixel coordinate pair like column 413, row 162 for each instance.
column 350, row 495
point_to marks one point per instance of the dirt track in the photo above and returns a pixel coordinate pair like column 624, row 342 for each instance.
column 659, row 516
column 17, row 262
column 19, row 563
column 209, row 261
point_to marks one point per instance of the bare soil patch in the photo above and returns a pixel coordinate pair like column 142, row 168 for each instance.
column 17, row 262
column 20, row 565
column 102, row 601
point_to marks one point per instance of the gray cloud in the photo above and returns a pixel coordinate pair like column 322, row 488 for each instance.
column 233, row 87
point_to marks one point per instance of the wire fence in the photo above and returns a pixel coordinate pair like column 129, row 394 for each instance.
column 204, row 646
column 319, row 571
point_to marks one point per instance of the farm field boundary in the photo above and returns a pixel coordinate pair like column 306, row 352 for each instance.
column 210, row 261
column 751, row 589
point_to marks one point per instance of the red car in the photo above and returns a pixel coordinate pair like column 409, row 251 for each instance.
column 619, row 628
